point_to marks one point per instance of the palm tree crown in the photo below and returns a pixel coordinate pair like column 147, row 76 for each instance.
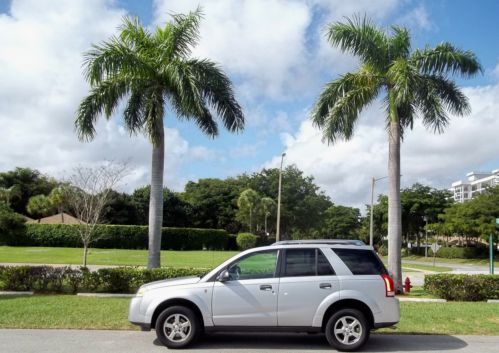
column 416, row 83
column 151, row 70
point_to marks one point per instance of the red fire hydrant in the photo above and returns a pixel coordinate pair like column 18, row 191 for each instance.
column 407, row 285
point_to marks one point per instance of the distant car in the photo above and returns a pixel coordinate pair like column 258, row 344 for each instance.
column 337, row 287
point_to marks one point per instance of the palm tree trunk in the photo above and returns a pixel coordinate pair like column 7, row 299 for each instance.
column 156, row 201
column 251, row 221
column 394, row 206
column 266, row 225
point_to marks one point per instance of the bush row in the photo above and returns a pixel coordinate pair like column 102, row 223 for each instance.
column 72, row 280
column 463, row 287
column 119, row 237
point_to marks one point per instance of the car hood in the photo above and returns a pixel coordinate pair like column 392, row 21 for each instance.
column 171, row 282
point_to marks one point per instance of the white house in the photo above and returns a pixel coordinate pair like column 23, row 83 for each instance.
column 477, row 182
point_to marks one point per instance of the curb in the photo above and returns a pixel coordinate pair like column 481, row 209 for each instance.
column 106, row 295
column 493, row 301
column 15, row 293
column 422, row 300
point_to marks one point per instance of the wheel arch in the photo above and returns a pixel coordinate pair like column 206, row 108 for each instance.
column 176, row 302
column 348, row 304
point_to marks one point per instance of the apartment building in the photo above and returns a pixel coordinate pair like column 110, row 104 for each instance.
column 477, row 182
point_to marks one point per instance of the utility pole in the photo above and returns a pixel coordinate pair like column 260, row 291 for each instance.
column 371, row 224
column 278, row 225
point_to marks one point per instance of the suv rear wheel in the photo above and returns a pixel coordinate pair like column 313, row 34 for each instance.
column 347, row 330
column 177, row 327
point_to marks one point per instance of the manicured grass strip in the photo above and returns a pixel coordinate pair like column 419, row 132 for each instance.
column 480, row 262
column 418, row 292
column 424, row 268
column 454, row 318
column 118, row 257
column 65, row 311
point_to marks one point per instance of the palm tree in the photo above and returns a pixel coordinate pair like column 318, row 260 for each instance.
column 268, row 206
column 151, row 70
column 413, row 83
column 247, row 202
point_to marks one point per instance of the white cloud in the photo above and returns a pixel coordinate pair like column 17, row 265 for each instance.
column 417, row 17
column 269, row 44
column 42, row 84
column 344, row 169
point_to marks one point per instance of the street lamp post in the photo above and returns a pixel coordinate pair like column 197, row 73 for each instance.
column 277, row 236
column 371, row 226
column 426, row 236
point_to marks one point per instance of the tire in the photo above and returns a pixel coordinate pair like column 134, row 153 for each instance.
column 178, row 327
column 347, row 330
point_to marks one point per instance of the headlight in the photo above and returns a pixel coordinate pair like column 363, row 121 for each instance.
column 141, row 292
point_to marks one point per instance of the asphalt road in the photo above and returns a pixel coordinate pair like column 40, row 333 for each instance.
column 80, row 341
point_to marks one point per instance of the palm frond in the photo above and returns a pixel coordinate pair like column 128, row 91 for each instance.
column 102, row 99
column 399, row 43
column 115, row 57
column 360, row 37
column 134, row 114
column 216, row 89
column 339, row 105
column 153, row 116
column 402, row 79
column 445, row 58
column 178, row 37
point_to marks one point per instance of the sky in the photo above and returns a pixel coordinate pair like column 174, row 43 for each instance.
column 277, row 56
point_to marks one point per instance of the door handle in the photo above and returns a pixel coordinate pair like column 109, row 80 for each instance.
column 325, row 286
column 265, row 287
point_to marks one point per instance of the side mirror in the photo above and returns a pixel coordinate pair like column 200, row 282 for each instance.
column 224, row 276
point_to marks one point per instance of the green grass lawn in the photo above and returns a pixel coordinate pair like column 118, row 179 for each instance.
column 424, row 268
column 45, row 255
column 67, row 311
column 480, row 262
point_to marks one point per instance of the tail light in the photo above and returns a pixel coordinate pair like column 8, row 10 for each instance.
column 389, row 285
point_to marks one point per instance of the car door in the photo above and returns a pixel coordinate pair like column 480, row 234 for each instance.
column 249, row 297
column 307, row 278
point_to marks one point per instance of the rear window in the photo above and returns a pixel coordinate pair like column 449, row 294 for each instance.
column 361, row 262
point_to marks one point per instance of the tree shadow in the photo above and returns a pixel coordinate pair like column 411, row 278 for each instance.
column 316, row 342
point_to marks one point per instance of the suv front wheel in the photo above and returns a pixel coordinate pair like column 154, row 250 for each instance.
column 177, row 327
column 347, row 330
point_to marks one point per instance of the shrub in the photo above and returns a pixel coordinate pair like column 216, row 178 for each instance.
column 71, row 280
column 460, row 287
column 11, row 225
column 121, row 237
column 246, row 241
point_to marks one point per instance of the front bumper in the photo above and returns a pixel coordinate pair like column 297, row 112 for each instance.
column 136, row 317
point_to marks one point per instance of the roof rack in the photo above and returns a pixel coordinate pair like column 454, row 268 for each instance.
column 321, row 241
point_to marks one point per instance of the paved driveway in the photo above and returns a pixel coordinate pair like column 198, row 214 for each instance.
column 80, row 341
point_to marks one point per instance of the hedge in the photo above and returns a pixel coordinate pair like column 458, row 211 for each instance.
column 461, row 287
column 119, row 237
column 72, row 280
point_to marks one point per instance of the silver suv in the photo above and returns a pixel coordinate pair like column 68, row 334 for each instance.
column 337, row 287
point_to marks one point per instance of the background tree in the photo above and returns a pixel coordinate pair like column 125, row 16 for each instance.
column 58, row 198
column 8, row 194
column 268, row 207
column 413, row 83
column 214, row 203
column 341, row 222
column 40, row 206
column 248, row 202
column 88, row 191
column 26, row 183
column 11, row 225
column 152, row 70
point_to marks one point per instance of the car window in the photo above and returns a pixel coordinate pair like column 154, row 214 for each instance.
column 361, row 262
column 254, row 266
column 306, row 262
column 299, row 262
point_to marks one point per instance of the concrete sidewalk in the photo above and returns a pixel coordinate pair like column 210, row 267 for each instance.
column 82, row 341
